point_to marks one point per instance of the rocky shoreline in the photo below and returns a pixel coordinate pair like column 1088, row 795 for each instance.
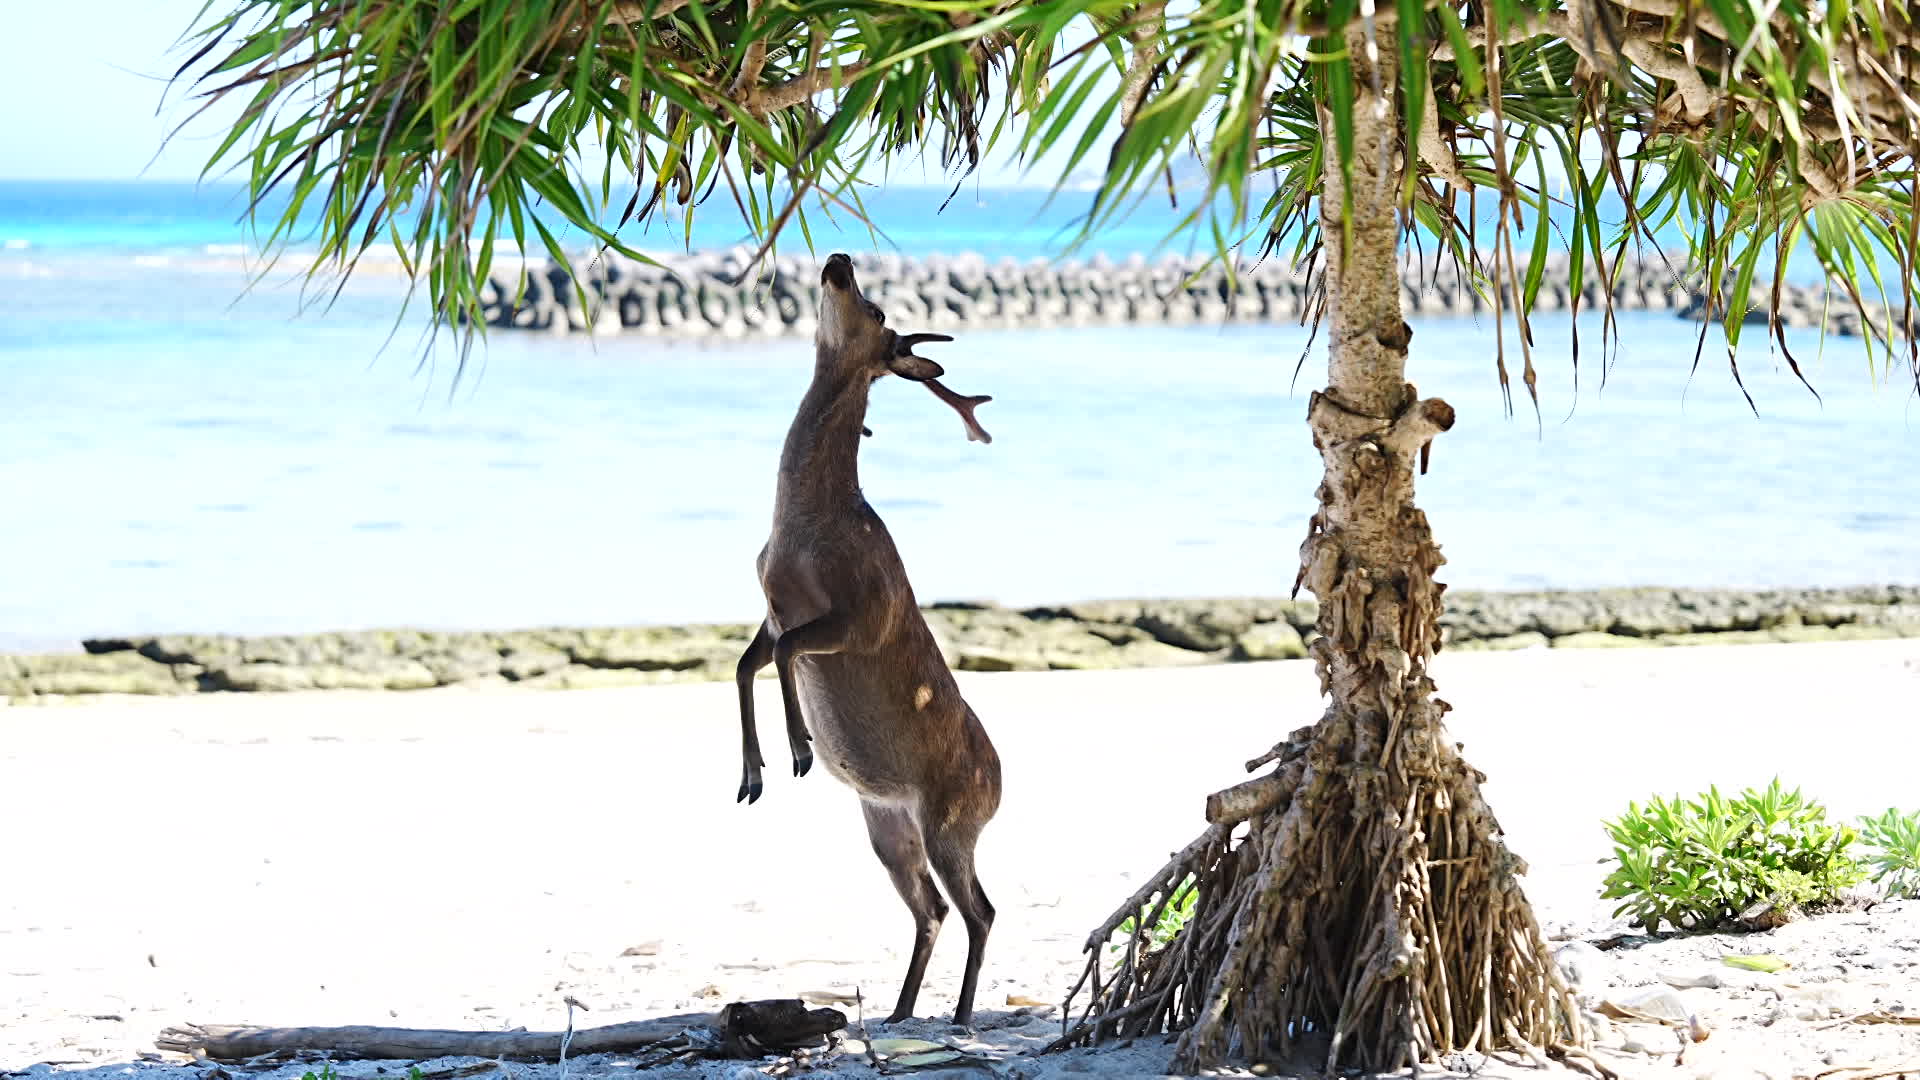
column 702, row 295
column 975, row 637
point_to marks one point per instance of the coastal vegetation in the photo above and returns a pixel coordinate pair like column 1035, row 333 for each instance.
column 1714, row 861
column 1894, row 856
column 1356, row 899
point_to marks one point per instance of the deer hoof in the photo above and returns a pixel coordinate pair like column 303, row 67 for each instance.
column 802, row 761
column 749, row 791
column 898, row 1015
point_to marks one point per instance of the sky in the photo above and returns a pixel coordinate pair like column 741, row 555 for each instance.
column 105, row 112
column 97, row 113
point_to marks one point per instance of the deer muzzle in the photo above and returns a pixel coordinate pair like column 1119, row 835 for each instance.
column 838, row 272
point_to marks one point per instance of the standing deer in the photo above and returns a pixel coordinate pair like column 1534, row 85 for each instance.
column 860, row 673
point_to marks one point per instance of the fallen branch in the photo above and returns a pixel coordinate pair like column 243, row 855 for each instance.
column 744, row 1028
column 237, row 1042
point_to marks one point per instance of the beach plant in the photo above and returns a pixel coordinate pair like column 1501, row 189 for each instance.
column 1893, row 852
column 1161, row 918
column 1715, row 862
column 1358, row 895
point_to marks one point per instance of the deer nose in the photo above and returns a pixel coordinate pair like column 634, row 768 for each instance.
column 838, row 272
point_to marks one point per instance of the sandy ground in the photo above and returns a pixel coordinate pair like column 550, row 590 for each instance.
column 468, row 859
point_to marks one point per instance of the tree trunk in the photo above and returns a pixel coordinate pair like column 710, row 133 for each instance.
column 1371, row 915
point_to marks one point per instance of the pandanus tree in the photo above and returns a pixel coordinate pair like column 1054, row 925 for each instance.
column 1356, row 898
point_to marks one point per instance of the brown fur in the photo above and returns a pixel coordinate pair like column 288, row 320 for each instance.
column 861, row 677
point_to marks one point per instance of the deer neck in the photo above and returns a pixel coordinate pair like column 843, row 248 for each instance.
column 821, row 460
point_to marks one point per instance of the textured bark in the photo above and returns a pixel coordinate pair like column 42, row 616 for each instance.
column 1370, row 916
column 744, row 1029
column 236, row 1042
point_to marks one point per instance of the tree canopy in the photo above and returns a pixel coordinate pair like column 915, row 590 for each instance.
column 443, row 127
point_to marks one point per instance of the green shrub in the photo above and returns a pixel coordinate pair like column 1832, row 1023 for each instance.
column 1895, row 857
column 1713, row 862
column 1174, row 914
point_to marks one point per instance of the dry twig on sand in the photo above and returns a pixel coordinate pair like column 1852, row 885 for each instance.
column 742, row 1029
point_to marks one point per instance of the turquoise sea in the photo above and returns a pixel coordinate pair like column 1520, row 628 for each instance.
column 175, row 456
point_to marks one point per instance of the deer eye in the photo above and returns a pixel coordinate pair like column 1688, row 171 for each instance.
column 879, row 316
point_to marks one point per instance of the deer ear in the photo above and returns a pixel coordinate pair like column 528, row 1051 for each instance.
column 908, row 366
column 917, row 368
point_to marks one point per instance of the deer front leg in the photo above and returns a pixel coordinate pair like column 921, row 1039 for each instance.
column 758, row 655
column 826, row 634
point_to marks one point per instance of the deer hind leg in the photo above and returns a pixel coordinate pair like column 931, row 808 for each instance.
column 758, row 655
column 826, row 634
column 897, row 840
column 950, row 842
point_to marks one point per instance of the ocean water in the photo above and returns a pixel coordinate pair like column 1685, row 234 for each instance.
column 177, row 457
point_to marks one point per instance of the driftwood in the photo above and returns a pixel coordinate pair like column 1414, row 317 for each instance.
column 237, row 1042
column 755, row 1027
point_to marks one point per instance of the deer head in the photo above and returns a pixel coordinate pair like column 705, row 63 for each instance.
column 853, row 337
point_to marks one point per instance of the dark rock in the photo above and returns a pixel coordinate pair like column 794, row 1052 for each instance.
column 372, row 674
column 1103, row 611
column 1651, row 620
column 520, row 664
column 1270, row 641
column 188, row 648
column 1194, row 626
column 639, row 309
column 107, row 645
column 1116, row 633
column 258, row 677
column 462, row 665
column 118, row 672
column 662, row 648
column 994, row 639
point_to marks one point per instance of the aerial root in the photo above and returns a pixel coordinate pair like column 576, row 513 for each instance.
column 1367, row 913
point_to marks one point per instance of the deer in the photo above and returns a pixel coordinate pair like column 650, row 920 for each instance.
column 862, row 680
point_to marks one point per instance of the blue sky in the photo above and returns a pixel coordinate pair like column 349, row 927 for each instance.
column 90, row 112
column 104, row 112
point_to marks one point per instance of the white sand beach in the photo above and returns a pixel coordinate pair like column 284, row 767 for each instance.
column 470, row 858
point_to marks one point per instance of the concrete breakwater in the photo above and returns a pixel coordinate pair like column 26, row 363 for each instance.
column 975, row 637
column 702, row 295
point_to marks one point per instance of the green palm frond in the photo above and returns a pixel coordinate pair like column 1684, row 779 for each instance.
column 1766, row 131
